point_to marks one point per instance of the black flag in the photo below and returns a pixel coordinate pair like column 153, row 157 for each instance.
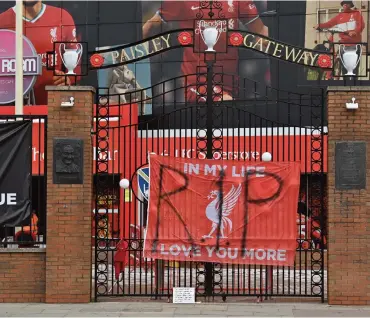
column 15, row 172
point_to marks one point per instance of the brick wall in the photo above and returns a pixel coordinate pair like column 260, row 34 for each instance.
column 68, row 255
column 22, row 275
column 348, row 217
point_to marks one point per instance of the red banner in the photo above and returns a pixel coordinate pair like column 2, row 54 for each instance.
column 257, row 221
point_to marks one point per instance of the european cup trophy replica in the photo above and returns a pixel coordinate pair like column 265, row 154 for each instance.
column 210, row 32
column 70, row 57
column 349, row 58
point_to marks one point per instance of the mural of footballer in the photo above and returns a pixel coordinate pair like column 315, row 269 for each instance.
column 184, row 13
column 350, row 23
column 43, row 25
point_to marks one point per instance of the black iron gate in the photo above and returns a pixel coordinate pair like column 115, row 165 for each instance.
column 258, row 119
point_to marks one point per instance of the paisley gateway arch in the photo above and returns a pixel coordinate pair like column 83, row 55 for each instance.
column 207, row 127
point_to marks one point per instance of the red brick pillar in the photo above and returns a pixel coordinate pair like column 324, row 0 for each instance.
column 349, row 208
column 68, row 251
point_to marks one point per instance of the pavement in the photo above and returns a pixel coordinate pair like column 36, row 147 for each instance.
column 160, row 309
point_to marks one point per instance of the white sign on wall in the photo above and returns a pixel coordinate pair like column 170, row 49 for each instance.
column 183, row 295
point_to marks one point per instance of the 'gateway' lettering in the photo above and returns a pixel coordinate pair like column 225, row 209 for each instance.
column 8, row 199
column 280, row 50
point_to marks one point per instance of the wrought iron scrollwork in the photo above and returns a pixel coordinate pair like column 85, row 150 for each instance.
column 102, row 198
column 317, row 195
column 211, row 8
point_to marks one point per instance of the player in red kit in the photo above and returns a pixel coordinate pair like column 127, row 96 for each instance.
column 43, row 25
column 351, row 22
column 184, row 13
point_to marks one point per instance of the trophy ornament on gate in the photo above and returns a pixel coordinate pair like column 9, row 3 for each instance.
column 210, row 31
column 349, row 58
column 70, row 57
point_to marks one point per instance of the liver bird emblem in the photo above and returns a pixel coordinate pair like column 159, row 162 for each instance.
column 212, row 210
column 53, row 34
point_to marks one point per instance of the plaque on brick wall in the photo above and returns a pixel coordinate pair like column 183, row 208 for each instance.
column 350, row 165
column 68, row 161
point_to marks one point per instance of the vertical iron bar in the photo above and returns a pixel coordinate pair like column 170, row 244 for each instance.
column 209, row 125
column 322, row 269
column 96, row 194
column 45, row 177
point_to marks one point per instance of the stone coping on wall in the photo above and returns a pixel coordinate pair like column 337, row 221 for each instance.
column 70, row 88
column 23, row 250
column 348, row 89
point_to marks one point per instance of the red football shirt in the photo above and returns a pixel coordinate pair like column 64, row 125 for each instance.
column 184, row 13
column 347, row 21
column 51, row 25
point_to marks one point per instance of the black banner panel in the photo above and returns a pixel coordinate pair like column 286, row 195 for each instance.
column 15, row 172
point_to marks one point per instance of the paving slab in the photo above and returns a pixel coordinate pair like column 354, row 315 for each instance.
column 148, row 305
column 182, row 305
column 154, row 314
column 56, row 311
column 187, row 311
column 22, row 310
column 142, row 310
column 214, row 313
column 329, row 313
column 261, row 309
column 93, row 314
column 213, row 307
column 270, row 315
column 37, row 315
column 81, row 306
column 162, row 309
column 42, row 305
column 14, row 305
column 100, row 310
